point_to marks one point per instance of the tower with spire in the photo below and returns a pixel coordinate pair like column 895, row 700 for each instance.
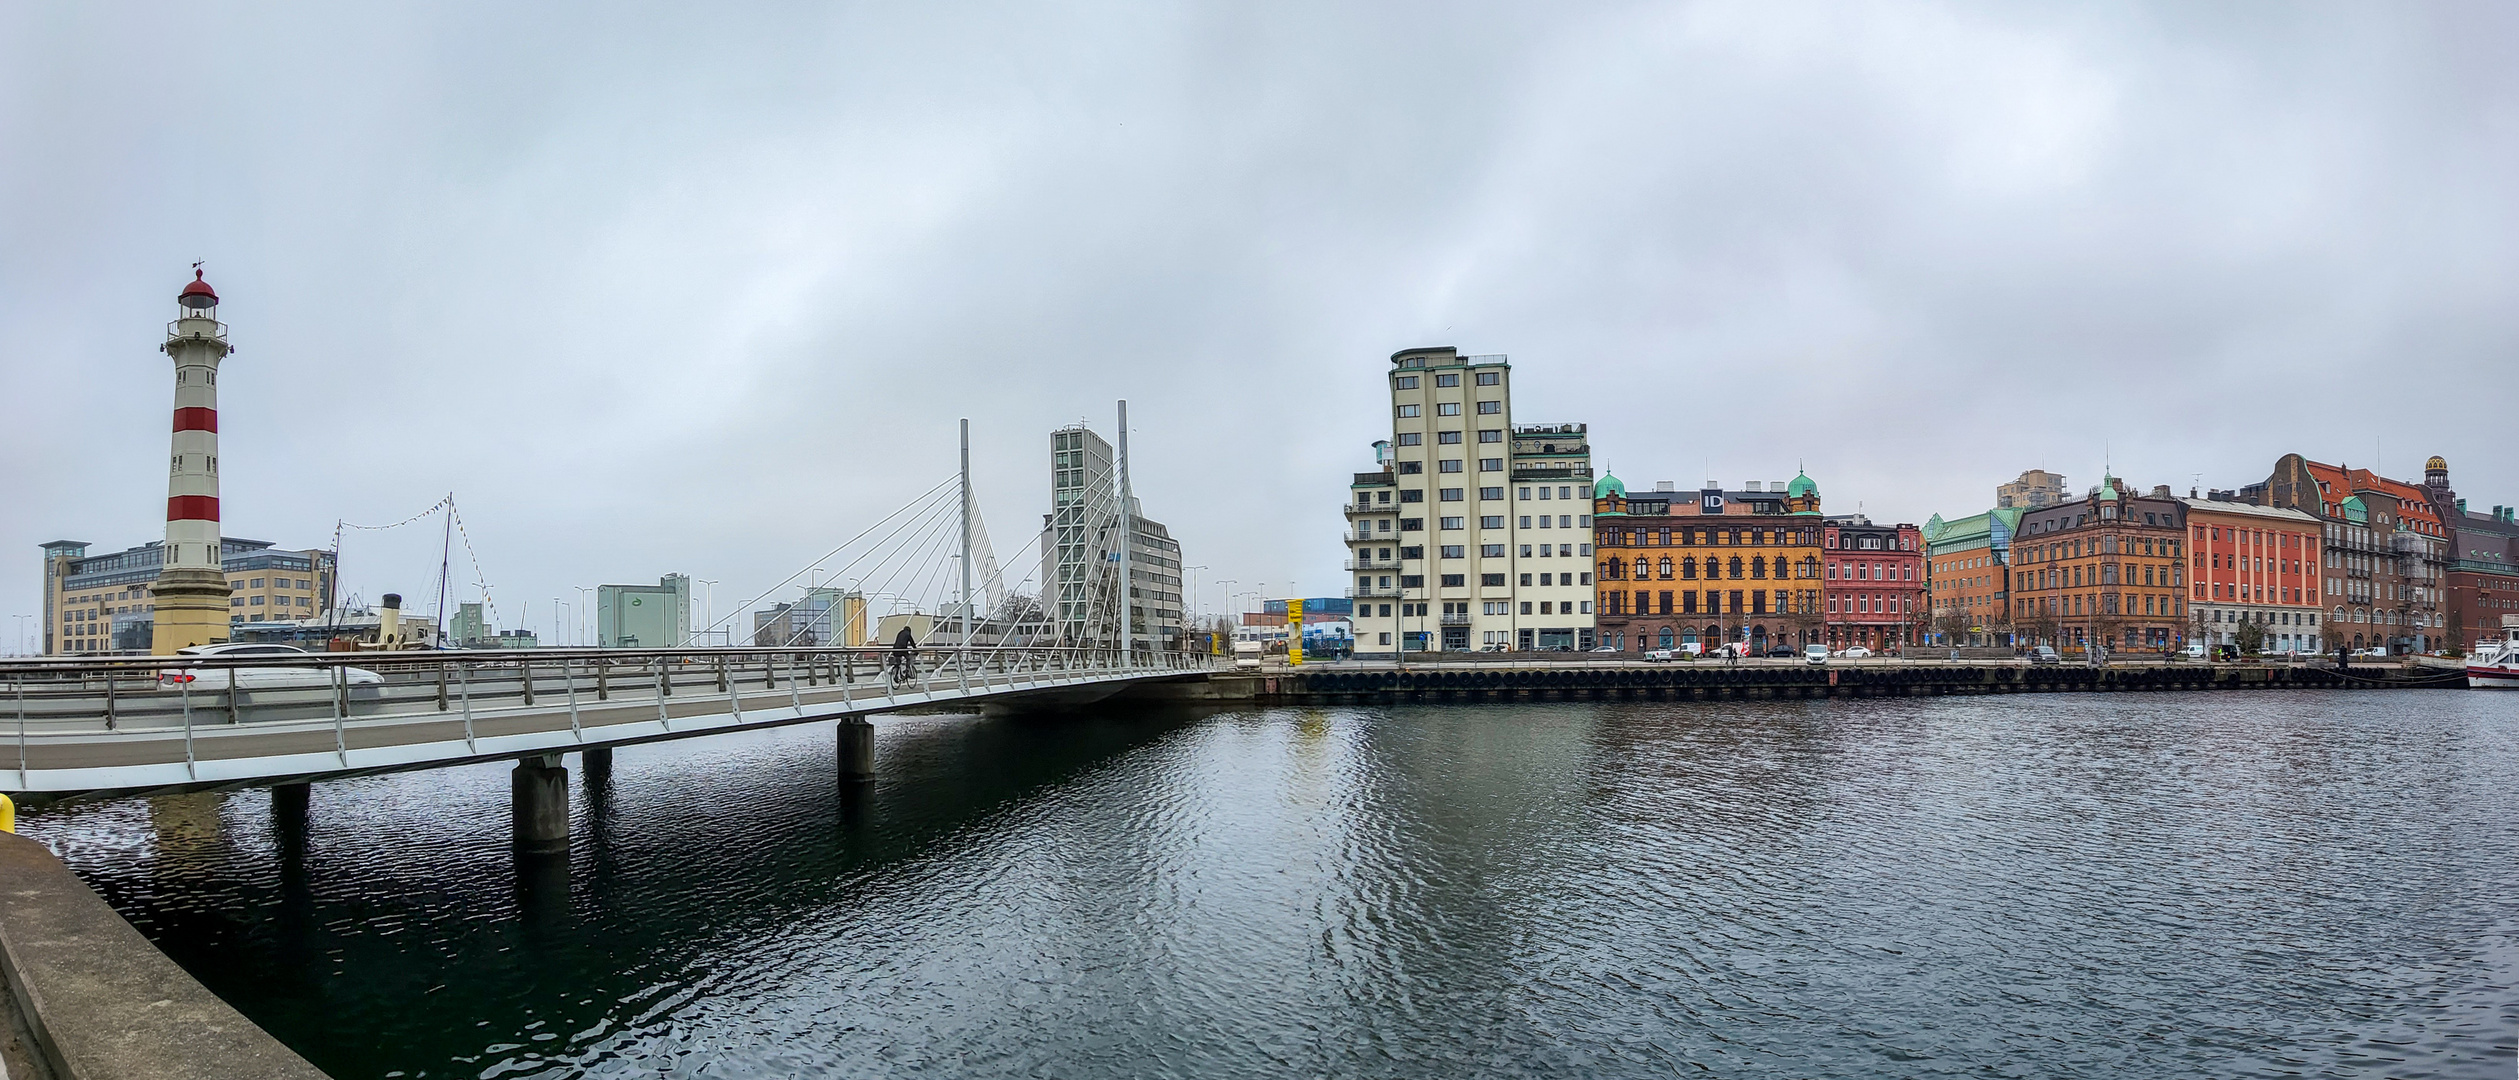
column 191, row 594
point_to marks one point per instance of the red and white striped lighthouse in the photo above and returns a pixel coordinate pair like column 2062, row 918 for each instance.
column 191, row 593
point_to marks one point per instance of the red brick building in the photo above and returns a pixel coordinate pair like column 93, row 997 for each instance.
column 1875, row 584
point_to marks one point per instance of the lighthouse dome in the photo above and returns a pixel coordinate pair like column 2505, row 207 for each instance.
column 198, row 294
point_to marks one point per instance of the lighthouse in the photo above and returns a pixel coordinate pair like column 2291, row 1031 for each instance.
column 191, row 593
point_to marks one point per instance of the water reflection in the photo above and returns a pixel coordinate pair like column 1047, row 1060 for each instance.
column 2205, row 886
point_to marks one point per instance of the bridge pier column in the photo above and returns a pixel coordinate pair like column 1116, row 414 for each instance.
column 857, row 749
column 288, row 807
column 597, row 762
column 539, row 790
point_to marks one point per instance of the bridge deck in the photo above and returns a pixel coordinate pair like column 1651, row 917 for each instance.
column 109, row 731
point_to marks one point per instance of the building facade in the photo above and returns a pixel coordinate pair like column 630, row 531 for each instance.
column 2033, row 489
column 1475, row 532
column 644, row 616
column 2480, row 582
column 108, row 603
column 1708, row 567
column 2386, row 547
column 2253, row 565
column 2109, row 570
column 1967, row 566
column 1081, row 545
column 1875, row 584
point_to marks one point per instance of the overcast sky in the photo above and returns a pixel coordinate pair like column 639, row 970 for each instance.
column 704, row 290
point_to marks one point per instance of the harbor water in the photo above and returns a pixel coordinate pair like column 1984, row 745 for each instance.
column 2301, row 883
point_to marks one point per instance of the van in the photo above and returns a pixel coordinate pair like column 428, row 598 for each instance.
column 1816, row 654
column 2044, row 654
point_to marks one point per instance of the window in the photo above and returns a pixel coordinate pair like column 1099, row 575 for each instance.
column 1492, row 579
column 1490, row 378
column 1491, row 551
column 1491, row 435
column 1411, row 468
column 1583, row 521
column 1452, row 379
column 1495, row 493
column 1587, row 606
column 1491, row 464
column 254, row 584
column 1547, row 579
column 1405, row 382
column 1490, row 408
column 1452, row 523
column 257, row 601
column 1447, row 408
column 1412, row 581
column 1526, row 580
column 1526, row 607
column 1543, row 494
column 1450, row 465
column 1452, row 581
column 1412, row 495
column 1586, row 579
column 1526, row 521
column 1412, row 525
column 1412, row 438
column 1406, row 411
column 1526, row 551
column 1452, row 551
column 1414, row 551
column 1450, row 494
column 1526, row 494
column 1565, row 521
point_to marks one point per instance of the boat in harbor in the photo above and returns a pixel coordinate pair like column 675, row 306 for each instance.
column 2495, row 665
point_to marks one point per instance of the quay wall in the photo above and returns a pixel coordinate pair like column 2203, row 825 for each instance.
column 98, row 1002
column 1677, row 682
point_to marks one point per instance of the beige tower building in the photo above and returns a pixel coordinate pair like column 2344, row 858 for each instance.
column 191, row 594
column 1475, row 533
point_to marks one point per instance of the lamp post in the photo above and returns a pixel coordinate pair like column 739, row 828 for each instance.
column 582, row 609
column 708, row 605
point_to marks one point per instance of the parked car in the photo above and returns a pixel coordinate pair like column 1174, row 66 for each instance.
column 1660, row 655
column 1730, row 649
column 2045, row 654
column 1605, row 648
column 2370, row 654
column 1855, row 652
column 1817, row 654
column 273, row 673
column 2193, row 651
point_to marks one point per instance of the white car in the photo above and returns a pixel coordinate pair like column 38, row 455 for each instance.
column 1855, row 652
column 275, row 673
column 1817, row 654
column 1658, row 655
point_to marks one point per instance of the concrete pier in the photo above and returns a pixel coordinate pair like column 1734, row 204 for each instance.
column 597, row 763
column 540, row 802
column 857, row 749
column 288, row 807
column 97, row 1000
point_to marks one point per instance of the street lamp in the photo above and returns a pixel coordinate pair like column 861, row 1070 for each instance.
column 581, row 612
column 708, row 605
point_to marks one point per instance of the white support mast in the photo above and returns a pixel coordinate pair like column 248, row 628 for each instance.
column 966, row 545
column 1128, row 539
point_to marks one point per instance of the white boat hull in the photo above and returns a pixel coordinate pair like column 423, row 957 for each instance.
column 2493, row 677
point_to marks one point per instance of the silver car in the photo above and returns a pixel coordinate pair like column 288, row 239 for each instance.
column 275, row 673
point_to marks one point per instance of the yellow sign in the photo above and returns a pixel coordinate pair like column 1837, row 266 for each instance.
column 1294, row 633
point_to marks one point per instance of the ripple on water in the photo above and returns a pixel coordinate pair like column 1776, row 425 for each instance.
column 2300, row 884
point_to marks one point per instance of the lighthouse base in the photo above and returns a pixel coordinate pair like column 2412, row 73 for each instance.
column 191, row 609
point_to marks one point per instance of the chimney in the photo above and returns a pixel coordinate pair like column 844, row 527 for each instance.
column 1666, row 485
column 1752, row 485
column 389, row 623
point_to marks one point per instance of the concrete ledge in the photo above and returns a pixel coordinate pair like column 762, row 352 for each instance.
column 101, row 1002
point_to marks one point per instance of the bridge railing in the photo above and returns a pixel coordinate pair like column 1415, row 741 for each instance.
column 51, row 697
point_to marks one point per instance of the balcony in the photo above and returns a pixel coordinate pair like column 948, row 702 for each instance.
column 1356, row 509
column 1372, row 592
column 1548, row 472
column 1456, row 620
column 1354, row 565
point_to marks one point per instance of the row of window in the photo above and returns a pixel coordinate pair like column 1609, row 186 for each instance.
column 1452, row 408
column 1711, row 602
column 1755, row 567
column 1711, row 537
column 1449, row 438
column 1485, row 378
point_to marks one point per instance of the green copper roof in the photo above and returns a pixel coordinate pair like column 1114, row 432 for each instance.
column 1608, row 486
column 2354, row 510
column 1800, row 486
column 2107, row 489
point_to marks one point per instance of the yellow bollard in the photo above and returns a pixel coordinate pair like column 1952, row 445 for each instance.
column 8, row 815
